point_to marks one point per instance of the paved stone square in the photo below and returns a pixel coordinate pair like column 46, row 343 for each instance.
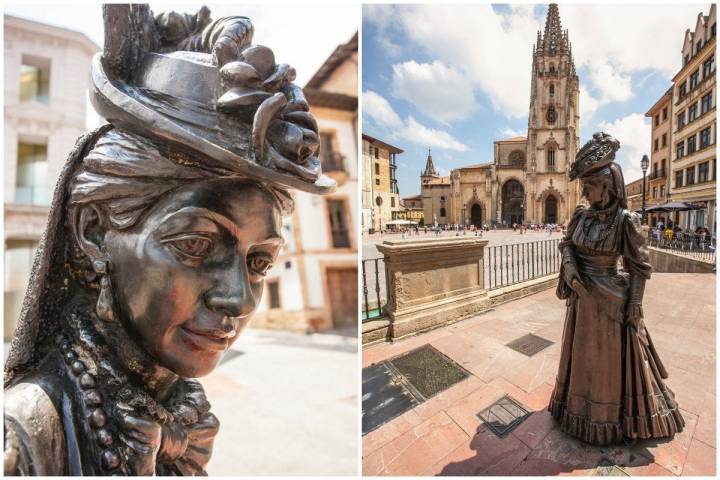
column 287, row 405
column 444, row 436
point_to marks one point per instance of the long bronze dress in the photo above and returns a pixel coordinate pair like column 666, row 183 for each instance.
column 609, row 385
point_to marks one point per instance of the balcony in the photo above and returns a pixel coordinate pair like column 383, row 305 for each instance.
column 657, row 174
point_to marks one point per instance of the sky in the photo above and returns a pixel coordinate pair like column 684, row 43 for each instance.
column 303, row 35
column 457, row 78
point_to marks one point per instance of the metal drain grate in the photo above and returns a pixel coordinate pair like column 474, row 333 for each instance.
column 606, row 468
column 384, row 397
column 427, row 371
column 504, row 415
column 529, row 344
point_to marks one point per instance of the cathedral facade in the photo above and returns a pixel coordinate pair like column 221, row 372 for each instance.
column 527, row 181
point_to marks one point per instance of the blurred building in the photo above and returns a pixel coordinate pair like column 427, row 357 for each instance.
column 313, row 285
column 633, row 191
column 694, row 126
column 411, row 209
column 657, row 188
column 382, row 195
column 46, row 82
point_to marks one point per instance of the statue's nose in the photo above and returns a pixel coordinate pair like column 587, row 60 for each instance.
column 232, row 296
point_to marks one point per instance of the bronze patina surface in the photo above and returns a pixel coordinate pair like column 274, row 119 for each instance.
column 610, row 383
column 163, row 225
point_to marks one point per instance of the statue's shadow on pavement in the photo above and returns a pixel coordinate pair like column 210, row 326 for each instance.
column 558, row 453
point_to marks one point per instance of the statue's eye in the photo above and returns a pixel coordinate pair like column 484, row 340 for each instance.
column 194, row 246
column 260, row 263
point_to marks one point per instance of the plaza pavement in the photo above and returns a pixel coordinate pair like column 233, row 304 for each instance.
column 287, row 405
column 443, row 436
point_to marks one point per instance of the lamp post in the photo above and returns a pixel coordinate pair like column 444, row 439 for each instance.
column 644, row 164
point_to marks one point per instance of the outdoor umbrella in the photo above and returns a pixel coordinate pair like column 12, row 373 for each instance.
column 680, row 206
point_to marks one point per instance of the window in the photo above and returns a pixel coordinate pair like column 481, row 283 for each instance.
column 551, row 160
column 392, row 201
column 377, row 152
column 691, row 144
column 35, row 79
column 690, row 175
column 664, row 115
column 703, row 172
column 681, row 120
column 683, row 90
column 698, row 46
column 654, row 192
column 552, row 68
column 692, row 112
column 678, row 179
column 19, row 255
column 377, row 168
column 657, row 119
column 694, row 79
column 708, row 66
column 31, row 184
column 338, row 223
column 330, row 160
column 705, row 139
column 656, row 145
column 662, row 191
column 706, row 103
column 680, row 150
column 442, row 211
column 552, row 89
column 273, row 287
column 377, row 181
column 664, row 139
column 442, row 198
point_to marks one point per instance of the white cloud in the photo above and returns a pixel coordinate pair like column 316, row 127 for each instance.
column 438, row 91
column 613, row 85
column 611, row 42
column 633, row 132
column 378, row 109
column 420, row 134
column 588, row 104
column 382, row 17
column 509, row 133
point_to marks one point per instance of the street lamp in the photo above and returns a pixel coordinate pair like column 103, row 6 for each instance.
column 644, row 164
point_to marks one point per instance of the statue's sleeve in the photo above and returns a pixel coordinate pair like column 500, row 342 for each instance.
column 636, row 259
column 34, row 441
column 567, row 250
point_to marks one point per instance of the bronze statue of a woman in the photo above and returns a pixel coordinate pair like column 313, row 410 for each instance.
column 163, row 225
column 609, row 386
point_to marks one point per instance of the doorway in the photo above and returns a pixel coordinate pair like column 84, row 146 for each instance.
column 476, row 215
column 551, row 209
column 343, row 296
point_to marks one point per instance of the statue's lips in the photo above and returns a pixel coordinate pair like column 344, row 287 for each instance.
column 206, row 340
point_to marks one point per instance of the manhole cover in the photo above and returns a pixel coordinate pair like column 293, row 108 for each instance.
column 384, row 397
column 529, row 344
column 608, row 469
column 504, row 415
column 428, row 371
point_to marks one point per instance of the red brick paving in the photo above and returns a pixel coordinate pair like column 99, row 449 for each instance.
column 444, row 436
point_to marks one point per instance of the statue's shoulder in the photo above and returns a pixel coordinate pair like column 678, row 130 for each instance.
column 34, row 434
column 632, row 219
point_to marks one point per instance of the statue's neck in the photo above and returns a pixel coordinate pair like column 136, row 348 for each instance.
column 112, row 340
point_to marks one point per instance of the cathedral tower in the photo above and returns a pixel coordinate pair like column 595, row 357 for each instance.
column 553, row 124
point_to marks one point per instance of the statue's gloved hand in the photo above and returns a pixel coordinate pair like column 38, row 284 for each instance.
column 633, row 315
column 572, row 278
column 143, row 436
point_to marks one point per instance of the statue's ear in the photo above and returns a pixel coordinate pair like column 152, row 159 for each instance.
column 89, row 231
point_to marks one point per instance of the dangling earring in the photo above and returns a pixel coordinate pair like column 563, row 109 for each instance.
column 104, row 307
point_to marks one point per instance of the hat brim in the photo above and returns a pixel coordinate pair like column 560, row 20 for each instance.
column 223, row 141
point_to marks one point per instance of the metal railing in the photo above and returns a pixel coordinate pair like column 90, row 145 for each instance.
column 503, row 265
column 700, row 246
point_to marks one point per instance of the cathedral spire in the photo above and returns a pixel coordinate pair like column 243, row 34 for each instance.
column 429, row 167
column 554, row 39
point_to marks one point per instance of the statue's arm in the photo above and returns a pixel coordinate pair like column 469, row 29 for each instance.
column 636, row 261
column 568, row 267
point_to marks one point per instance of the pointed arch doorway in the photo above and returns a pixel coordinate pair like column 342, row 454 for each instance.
column 551, row 209
column 476, row 215
column 513, row 209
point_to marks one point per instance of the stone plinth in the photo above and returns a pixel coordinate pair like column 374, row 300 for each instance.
column 432, row 282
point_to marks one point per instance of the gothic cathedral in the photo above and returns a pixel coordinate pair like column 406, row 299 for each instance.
column 527, row 181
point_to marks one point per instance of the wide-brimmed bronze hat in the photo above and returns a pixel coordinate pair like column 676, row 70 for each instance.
column 241, row 114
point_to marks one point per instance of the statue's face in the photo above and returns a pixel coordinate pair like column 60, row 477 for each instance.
column 187, row 278
column 592, row 190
